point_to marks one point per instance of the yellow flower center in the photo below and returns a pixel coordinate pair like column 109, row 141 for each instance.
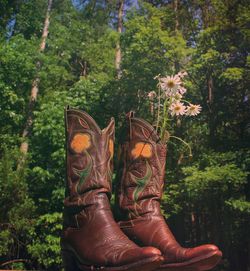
column 170, row 84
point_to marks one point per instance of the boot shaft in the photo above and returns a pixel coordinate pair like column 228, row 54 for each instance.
column 89, row 158
column 142, row 166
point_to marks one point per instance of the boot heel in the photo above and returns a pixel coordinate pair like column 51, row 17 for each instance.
column 69, row 263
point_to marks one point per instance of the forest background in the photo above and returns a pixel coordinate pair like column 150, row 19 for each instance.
column 102, row 56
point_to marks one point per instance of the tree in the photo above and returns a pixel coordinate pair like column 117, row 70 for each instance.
column 118, row 53
column 209, row 193
column 34, row 90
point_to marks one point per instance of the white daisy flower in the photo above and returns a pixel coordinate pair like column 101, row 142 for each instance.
column 170, row 93
column 182, row 74
column 193, row 109
column 182, row 90
column 170, row 83
column 177, row 97
column 177, row 108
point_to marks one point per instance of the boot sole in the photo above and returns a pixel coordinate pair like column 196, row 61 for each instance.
column 196, row 264
column 70, row 263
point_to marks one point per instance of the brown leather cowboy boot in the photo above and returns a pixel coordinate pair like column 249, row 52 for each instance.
column 139, row 194
column 91, row 240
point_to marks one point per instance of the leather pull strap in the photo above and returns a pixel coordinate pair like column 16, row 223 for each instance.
column 129, row 116
column 66, row 108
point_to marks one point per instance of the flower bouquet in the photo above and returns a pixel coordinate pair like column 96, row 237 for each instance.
column 168, row 103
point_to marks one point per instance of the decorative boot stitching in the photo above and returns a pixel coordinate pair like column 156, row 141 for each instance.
column 141, row 182
column 84, row 173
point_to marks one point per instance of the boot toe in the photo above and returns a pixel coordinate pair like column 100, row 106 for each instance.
column 203, row 251
column 141, row 254
column 150, row 252
column 210, row 248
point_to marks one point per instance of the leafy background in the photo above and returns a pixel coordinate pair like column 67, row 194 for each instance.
column 207, row 198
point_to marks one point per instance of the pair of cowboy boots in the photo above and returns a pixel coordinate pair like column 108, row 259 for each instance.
column 91, row 239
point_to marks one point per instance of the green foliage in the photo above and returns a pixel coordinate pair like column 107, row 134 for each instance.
column 28, row 24
column 232, row 74
column 17, row 208
column 171, row 199
column 17, row 69
column 209, row 39
column 208, row 183
column 6, row 241
column 239, row 205
column 45, row 245
column 7, row 14
column 149, row 48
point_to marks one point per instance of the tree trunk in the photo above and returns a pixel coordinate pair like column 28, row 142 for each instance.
column 210, row 86
column 176, row 4
column 212, row 115
column 205, row 13
column 34, row 92
column 118, row 54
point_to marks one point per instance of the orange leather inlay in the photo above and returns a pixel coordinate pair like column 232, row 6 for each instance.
column 80, row 142
column 111, row 147
column 142, row 149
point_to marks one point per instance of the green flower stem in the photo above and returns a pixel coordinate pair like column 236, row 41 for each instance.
column 159, row 108
column 185, row 143
column 185, row 101
column 166, row 105
column 165, row 118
